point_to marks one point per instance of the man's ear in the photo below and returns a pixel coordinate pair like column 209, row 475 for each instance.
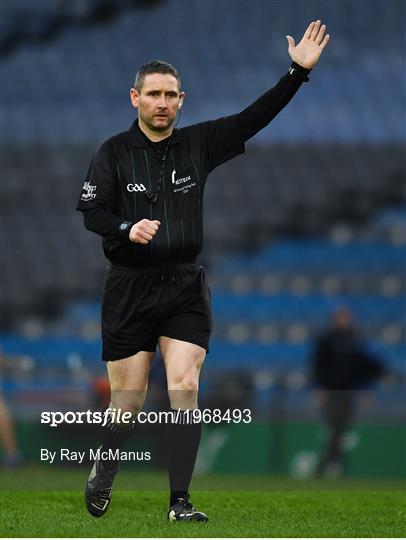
column 181, row 98
column 134, row 96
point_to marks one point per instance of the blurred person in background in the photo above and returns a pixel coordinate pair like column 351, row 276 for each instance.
column 11, row 454
column 143, row 195
column 341, row 366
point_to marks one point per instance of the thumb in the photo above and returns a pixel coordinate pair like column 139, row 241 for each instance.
column 291, row 42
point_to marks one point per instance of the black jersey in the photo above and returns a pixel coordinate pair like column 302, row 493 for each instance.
column 128, row 166
column 129, row 172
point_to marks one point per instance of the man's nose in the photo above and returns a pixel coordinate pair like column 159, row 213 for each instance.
column 162, row 102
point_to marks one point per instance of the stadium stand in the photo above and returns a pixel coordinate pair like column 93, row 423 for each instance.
column 90, row 69
column 58, row 253
column 25, row 22
column 315, row 209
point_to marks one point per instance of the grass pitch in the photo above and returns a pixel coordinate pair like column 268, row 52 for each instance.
column 267, row 507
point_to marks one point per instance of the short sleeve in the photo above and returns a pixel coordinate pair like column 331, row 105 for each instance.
column 99, row 188
column 222, row 141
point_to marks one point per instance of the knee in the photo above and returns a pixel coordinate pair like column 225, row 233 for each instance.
column 183, row 395
column 128, row 402
column 183, row 392
column 186, row 376
column 185, row 382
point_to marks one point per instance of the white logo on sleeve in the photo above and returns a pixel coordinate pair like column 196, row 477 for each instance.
column 173, row 176
column 89, row 191
column 136, row 187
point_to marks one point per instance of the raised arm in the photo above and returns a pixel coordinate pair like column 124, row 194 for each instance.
column 304, row 56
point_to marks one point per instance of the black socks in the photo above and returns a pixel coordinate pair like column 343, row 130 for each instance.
column 183, row 438
column 113, row 437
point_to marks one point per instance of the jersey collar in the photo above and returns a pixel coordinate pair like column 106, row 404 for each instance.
column 139, row 138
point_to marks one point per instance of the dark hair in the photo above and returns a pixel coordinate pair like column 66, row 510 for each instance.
column 156, row 66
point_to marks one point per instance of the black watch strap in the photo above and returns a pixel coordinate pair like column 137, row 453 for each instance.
column 124, row 229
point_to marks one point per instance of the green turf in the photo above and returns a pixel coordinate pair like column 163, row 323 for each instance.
column 48, row 502
column 232, row 514
column 49, row 477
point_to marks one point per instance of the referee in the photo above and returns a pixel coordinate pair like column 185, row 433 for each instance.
column 143, row 194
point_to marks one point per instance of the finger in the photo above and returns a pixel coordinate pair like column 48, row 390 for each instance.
column 291, row 42
column 154, row 225
column 141, row 241
column 325, row 41
column 308, row 32
column 320, row 35
column 150, row 228
column 315, row 30
column 142, row 234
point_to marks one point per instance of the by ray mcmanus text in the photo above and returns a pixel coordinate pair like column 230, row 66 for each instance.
column 75, row 456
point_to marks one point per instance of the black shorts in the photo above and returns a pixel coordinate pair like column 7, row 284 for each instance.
column 140, row 305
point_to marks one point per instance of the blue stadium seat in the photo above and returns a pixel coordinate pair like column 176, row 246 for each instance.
column 90, row 69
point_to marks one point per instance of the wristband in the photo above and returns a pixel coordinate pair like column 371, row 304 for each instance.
column 297, row 68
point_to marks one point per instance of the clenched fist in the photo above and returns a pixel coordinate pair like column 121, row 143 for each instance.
column 143, row 231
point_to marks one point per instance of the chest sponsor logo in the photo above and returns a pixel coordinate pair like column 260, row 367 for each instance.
column 179, row 181
column 182, row 184
column 136, row 187
column 89, row 192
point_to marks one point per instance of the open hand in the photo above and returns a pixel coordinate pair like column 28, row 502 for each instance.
column 307, row 52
